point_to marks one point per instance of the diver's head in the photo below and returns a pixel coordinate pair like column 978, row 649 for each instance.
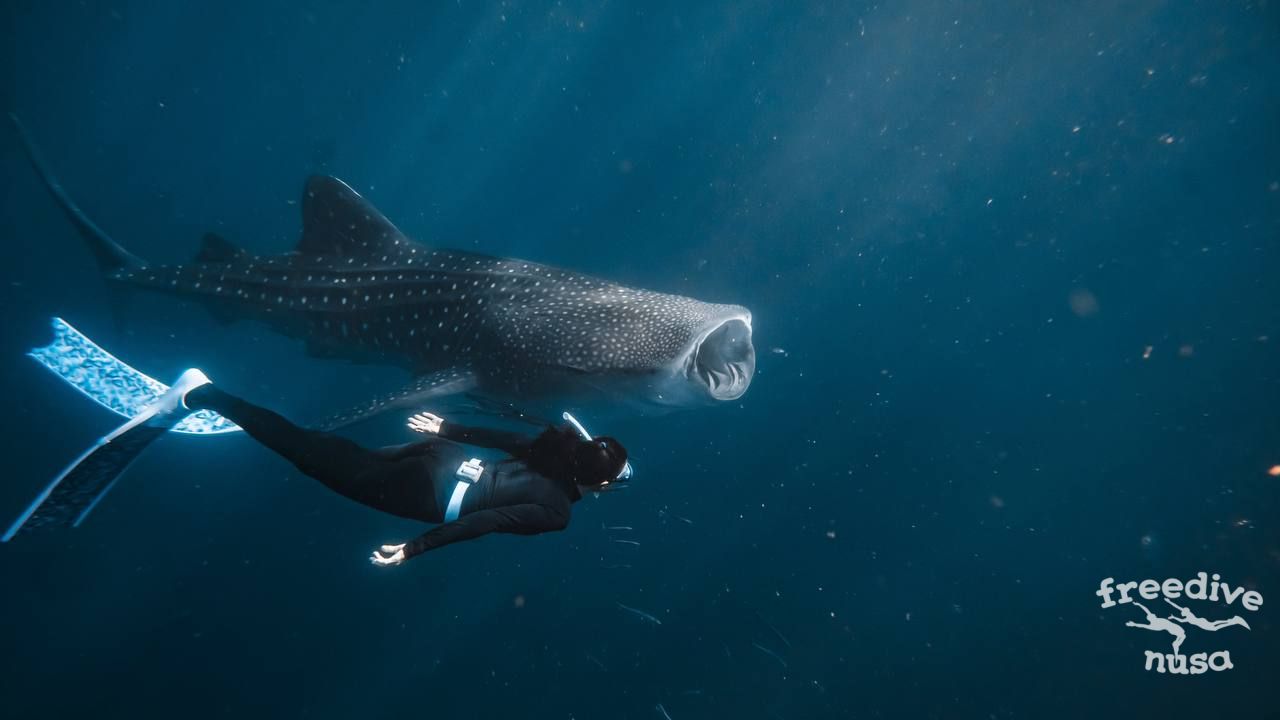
column 599, row 462
column 568, row 454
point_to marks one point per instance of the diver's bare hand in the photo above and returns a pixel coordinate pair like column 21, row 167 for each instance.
column 388, row 555
column 426, row 423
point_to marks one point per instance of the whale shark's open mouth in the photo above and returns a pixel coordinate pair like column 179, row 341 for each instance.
column 724, row 360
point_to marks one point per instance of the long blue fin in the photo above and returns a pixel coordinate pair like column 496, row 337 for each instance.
column 112, row 383
column 77, row 490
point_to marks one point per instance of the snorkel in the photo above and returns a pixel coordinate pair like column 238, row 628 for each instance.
column 625, row 473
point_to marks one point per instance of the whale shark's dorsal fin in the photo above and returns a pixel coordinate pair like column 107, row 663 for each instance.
column 336, row 221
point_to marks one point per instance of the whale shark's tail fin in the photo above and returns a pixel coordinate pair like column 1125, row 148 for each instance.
column 109, row 254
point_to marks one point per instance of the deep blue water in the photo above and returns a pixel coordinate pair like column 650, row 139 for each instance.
column 965, row 224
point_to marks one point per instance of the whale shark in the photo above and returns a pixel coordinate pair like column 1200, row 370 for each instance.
column 512, row 332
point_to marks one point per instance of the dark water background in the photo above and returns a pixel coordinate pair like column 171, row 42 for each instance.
column 963, row 222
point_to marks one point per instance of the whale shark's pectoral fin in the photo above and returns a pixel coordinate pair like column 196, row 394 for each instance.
column 479, row 405
column 423, row 389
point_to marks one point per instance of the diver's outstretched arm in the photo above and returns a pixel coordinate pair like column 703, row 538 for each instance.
column 511, row 443
column 526, row 519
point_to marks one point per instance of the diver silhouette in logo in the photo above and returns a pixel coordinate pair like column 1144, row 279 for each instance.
column 1190, row 618
column 1172, row 624
column 1154, row 622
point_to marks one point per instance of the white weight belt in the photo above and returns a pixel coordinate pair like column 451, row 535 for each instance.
column 468, row 474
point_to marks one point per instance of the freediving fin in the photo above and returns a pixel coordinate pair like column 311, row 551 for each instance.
column 111, row 382
column 77, row 490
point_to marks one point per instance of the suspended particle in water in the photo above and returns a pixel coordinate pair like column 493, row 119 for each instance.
column 1083, row 303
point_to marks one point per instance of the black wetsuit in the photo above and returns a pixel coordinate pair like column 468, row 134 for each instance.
column 416, row 480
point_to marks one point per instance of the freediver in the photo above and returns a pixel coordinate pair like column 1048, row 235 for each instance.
column 1189, row 618
column 1155, row 622
column 531, row 491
